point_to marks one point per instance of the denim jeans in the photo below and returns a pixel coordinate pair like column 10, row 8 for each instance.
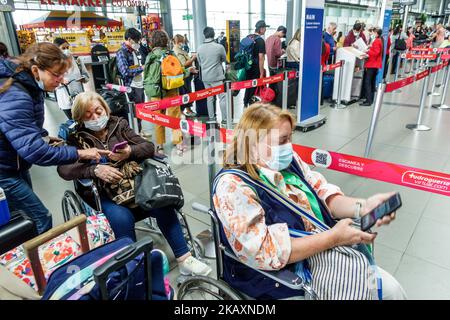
column 20, row 196
column 122, row 220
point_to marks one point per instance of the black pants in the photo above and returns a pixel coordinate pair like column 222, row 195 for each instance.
column 251, row 74
column 369, row 80
column 394, row 63
column 137, row 95
column 386, row 66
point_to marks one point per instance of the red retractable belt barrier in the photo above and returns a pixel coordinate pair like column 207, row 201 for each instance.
column 257, row 82
column 179, row 100
column 293, row 74
column 431, row 56
column 194, row 128
column 330, row 67
column 420, row 179
column 445, row 57
column 439, row 67
column 399, row 84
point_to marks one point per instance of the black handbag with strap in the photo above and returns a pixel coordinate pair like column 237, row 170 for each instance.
column 400, row 44
column 157, row 187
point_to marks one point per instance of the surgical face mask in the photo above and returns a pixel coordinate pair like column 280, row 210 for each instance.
column 97, row 125
column 356, row 33
column 40, row 84
column 67, row 52
column 134, row 45
column 281, row 158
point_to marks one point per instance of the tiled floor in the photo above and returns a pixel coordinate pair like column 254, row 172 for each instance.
column 415, row 248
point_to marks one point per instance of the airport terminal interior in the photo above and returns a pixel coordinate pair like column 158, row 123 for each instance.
column 414, row 247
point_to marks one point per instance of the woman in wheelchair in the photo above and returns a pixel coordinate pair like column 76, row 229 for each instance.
column 96, row 127
column 275, row 212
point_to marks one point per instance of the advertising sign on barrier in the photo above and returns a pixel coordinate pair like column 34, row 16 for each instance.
column 431, row 56
column 425, row 180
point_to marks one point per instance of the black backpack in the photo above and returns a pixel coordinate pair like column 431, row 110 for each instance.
column 113, row 71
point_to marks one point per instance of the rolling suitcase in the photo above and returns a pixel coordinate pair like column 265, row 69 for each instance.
column 118, row 270
column 327, row 85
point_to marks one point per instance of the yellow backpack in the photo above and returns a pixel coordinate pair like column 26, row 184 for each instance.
column 172, row 72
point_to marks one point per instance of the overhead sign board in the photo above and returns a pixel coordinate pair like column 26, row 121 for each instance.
column 7, row 5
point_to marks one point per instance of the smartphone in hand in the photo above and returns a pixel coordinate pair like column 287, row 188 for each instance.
column 119, row 146
column 384, row 209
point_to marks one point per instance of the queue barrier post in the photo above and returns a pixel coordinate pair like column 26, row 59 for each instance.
column 338, row 104
column 419, row 126
column 435, row 75
column 284, row 99
column 132, row 116
column 229, row 104
column 442, row 105
column 375, row 114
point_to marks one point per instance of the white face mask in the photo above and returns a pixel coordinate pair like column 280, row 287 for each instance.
column 40, row 84
column 97, row 125
column 67, row 52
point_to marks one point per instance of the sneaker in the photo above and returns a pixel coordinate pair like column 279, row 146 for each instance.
column 194, row 267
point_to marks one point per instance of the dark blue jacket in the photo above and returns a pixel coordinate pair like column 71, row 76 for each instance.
column 251, row 282
column 21, row 125
column 328, row 38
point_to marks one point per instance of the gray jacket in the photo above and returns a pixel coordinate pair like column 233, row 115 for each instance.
column 210, row 56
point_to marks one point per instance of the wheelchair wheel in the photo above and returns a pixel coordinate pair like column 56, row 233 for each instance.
column 204, row 288
column 195, row 246
column 71, row 205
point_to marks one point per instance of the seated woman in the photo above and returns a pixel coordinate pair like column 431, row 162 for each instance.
column 276, row 213
column 97, row 128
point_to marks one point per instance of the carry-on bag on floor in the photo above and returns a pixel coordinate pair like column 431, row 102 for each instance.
column 201, row 106
column 327, row 85
column 292, row 94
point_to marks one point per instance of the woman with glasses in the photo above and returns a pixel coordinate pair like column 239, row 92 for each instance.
column 23, row 140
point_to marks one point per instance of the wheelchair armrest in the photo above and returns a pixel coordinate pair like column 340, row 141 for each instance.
column 86, row 182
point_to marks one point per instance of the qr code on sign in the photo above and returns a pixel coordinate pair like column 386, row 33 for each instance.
column 321, row 158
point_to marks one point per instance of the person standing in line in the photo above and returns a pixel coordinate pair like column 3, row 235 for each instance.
column 398, row 35
column 373, row 64
column 257, row 69
column 222, row 39
column 328, row 37
column 211, row 56
column 293, row 51
column 274, row 50
column 130, row 68
column 340, row 40
column 73, row 80
column 187, row 62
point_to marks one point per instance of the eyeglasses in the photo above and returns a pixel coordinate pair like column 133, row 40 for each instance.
column 56, row 75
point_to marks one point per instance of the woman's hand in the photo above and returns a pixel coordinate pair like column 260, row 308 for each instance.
column 121, row 154
column 343, row 234
column 374, row 202
column 108, row 174
column 92, row 154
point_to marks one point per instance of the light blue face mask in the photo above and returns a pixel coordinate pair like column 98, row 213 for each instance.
column 40, row 84
column 282, row 156
column 97, row 125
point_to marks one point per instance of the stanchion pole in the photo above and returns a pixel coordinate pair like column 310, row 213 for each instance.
column 337, row 105
column 442, row 105
column 229, row 104
column 432, row 92
column 284, row 97
column 211, row 127
column 419, row 126
column 373, row 123
column 132, row 116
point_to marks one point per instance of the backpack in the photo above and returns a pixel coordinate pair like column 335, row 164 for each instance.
column 113, row 71
column 172, row 72
column 244, row 58
column 400, row 44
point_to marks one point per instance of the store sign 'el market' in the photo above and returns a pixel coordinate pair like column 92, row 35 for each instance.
column 96, row 3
